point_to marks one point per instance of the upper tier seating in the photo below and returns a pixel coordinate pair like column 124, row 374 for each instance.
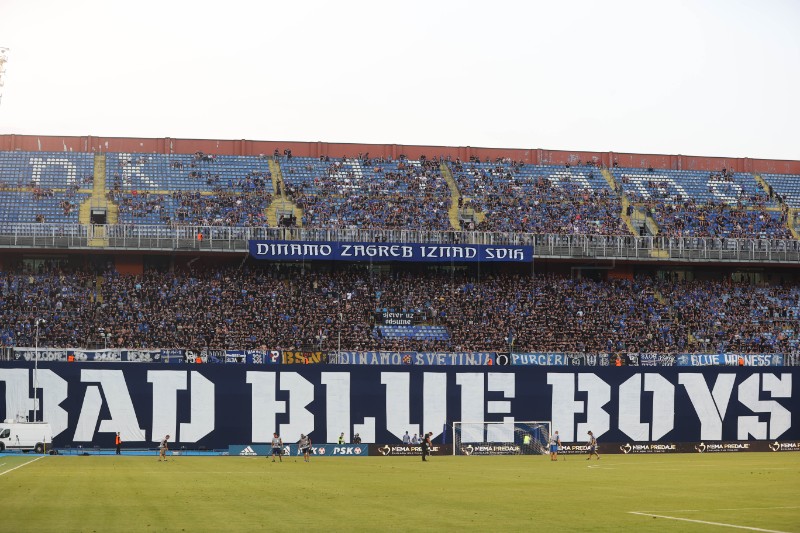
column 703, row 204
column 195, row 189
column 675, row 186
column 540, row 199
column 44, row 186
column 201, row 189
column 364, row 193
column 787, row 186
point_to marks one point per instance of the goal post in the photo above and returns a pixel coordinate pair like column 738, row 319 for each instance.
column 501, row 438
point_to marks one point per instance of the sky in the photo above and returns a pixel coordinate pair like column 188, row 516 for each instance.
column 705, row 77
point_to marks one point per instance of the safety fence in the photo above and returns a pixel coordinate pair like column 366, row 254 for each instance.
column 236, row 239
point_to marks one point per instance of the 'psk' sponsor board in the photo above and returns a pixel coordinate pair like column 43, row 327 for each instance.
column 330, row 450
column 321, row 450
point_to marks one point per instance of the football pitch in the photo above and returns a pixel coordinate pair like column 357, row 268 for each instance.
column 681, row 492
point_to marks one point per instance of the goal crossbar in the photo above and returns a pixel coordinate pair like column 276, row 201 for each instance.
column 501, row 438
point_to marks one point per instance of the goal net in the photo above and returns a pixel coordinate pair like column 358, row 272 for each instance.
column 500, row 438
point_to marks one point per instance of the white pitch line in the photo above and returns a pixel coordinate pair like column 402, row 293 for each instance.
column 726, row 509
column 640, row 465
column 20, row 466
column 203, row 473
column 708, row 523
column 608, row 465
column 758, row 508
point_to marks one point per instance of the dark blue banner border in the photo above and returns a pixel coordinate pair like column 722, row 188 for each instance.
column 388, row 251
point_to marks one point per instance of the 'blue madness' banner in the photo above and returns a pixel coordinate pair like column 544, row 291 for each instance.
column 387, row 251
column 218, row 405
column 729, row 359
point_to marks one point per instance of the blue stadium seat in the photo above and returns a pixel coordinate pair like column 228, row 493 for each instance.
column 44, row 186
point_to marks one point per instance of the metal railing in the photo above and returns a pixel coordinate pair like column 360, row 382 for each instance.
column 235, row 239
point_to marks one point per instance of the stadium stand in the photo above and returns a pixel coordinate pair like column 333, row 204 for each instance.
column 703, row 204
column 512, row 196
column 189, row 189
column 786, row 186
column 377, row 193
column 44, row 186
column 284, row 306
column 273, row 306
column 367, row 193
column 786, row 189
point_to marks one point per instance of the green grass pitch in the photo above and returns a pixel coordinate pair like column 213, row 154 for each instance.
column 747, row 491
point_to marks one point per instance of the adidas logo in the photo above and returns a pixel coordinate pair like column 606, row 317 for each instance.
column 248, row 451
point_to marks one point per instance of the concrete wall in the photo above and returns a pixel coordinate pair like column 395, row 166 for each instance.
column 167, row 145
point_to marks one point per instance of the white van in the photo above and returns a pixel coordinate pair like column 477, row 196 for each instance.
column 25, row 436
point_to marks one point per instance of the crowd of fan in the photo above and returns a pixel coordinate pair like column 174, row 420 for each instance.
column 42, row 192
column 66, row 300
column 715, row 219
column 368, row 192
column 371, row 193
column 737, row 314
column 217, row 201
column 379, row 193
column 222, row 207
column 65, row 204
column 274, row 307
column 515, row 200
column 140, row 205
column 747, row 214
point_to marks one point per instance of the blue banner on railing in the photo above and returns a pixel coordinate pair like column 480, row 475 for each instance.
column 141, row 356
column 413, row 358
column 372, row 358
column 30, row 354
column 253, row 357
column 387, row 251
column 656, row 359
column 173, row 356
column 91, row 356
column 729, row 359
column 271, row 357
column 559, row 359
